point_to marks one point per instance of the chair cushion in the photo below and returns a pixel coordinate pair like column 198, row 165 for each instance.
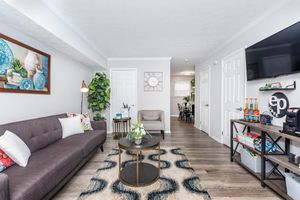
column 153, row 125
column 87, row 141
column 150, row 118
column 45, row 169
column 150, row 115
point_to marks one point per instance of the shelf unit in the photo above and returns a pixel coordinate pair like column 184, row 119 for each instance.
column 278, row 89
column 274, row 181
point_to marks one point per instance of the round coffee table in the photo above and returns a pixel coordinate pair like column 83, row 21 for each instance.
column 139, row 174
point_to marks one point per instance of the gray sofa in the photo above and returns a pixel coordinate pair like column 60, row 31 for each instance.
column 53, row 161
column 153, row 120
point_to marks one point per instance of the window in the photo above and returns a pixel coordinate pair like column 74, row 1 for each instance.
column 182, row 88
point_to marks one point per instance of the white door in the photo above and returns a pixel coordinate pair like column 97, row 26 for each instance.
column 233, row 73
column 124, row 90
column 205, row 100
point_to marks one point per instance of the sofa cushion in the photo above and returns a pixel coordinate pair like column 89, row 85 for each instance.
column 87, row 141
column 15, row 148
column 36, row 133
column 153, row 125
column 46, row 168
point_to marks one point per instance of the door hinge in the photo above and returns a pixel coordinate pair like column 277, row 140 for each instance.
column 222, row 132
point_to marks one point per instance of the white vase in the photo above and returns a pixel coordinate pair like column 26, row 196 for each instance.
column 124, row 112
column 31, row 63
column 137, row 141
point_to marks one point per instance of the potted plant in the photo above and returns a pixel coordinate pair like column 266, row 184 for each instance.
column 137, row 132
column 99, row 95
column 125, row 110
column 186, row 100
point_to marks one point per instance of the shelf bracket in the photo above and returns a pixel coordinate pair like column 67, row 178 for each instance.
column 275, row 171
column 235, row 149
column 275, row 143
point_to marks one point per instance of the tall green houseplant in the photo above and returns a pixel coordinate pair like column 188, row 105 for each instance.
column 99, row 94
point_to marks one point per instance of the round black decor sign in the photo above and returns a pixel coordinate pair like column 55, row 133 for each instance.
column 278, row 104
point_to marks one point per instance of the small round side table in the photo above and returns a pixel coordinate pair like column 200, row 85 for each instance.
column 139, row 174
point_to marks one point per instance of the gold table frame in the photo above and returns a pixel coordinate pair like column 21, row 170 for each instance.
column 138, row 152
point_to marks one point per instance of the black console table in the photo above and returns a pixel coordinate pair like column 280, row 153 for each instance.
column 274, row 179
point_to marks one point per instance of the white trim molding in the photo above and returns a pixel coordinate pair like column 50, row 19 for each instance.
column 138, row 58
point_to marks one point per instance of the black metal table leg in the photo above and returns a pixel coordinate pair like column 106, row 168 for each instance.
column 248, row 129
column 263, row 159
column 231, row 141
column 287, row 150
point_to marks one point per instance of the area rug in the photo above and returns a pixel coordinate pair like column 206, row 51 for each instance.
column 177, row 179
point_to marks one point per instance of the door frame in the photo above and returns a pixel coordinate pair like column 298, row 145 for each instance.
column 111, row 86
column 240, row 50
column 209, row 99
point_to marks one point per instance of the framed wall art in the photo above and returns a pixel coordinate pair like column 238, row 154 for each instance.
column 153, row 81
column 23, row 69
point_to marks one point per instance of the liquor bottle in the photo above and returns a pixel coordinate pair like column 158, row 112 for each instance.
column 251, row 110
column 256, row 111
column 246, row 110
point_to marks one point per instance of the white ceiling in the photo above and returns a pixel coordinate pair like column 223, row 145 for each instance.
column 179, row 29
column 14, row 13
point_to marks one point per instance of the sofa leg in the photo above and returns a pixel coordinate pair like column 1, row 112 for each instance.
column 163, row 134
column 101, row 148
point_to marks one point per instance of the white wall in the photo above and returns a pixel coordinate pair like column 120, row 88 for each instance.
column 149, row 100
column 263, row 27
column 66, row 77
column 176, row 99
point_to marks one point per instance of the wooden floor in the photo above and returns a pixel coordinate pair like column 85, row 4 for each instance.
column 222, row 179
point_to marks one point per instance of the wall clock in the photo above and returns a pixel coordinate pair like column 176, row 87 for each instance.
column 153, row 81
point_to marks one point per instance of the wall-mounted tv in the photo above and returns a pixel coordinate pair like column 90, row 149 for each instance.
column 276, row 55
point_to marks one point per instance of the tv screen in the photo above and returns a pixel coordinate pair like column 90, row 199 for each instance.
column 277, row 55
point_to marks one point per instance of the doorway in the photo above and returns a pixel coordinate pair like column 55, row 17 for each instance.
column 234, row 90
column 123, row 90
column 205, row 100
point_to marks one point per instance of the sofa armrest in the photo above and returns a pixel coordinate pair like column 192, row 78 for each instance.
column 4, row 188
column 99, row 125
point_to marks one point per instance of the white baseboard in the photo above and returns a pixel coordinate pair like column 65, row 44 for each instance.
column 216, row 139
column 196, row 127
column 174, row 115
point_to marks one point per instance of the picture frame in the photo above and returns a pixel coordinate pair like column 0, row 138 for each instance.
column 23, row 69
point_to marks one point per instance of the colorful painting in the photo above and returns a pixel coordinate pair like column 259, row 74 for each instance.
column 23, row 69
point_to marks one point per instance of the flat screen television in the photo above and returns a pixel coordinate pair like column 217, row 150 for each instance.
column 276, row 55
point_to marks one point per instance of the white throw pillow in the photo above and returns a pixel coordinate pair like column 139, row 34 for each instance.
column 71, row 126
column 15, row 148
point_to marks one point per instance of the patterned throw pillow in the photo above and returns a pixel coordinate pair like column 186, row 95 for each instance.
column 5, row 161
column 85, row 120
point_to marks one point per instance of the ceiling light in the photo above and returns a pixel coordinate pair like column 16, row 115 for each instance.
column 187, row 73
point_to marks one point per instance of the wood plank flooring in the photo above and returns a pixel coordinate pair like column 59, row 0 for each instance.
column 223, row 179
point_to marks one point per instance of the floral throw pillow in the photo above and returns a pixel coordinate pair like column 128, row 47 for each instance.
column 85, row 120
column 5, row 161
